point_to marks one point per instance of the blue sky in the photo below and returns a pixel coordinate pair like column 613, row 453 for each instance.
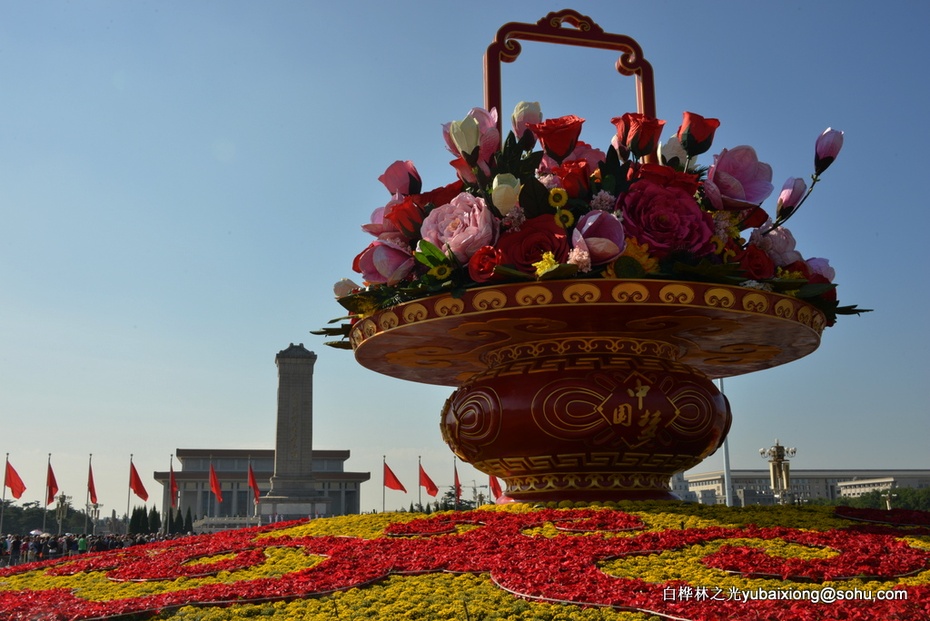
column 182, row 183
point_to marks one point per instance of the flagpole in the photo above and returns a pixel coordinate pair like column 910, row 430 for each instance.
column 129, row 493
column 455, row 489
column 171, row 497
column 6, row 467
column 727, row 480
column 87, row 494
column 383, row 465
column 419, row 485
column 45, row 508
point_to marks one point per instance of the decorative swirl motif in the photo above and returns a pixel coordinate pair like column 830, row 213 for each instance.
column 489, row 299
column 581, row 293
column 723, row 298
column 566, row 409
column 677, row 293
column 784, row 308
column 414, row 312
column 471, row 419
column 755, row 302
column 388, row 320
column 448, row 306
column 533, row 295
column 630, row 292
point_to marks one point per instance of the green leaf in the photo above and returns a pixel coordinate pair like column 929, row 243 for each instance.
column 534, row 199
column 628, row 267
column 430, row 255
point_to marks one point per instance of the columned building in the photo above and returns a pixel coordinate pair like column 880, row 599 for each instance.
column 753, row 487
column 294, row 479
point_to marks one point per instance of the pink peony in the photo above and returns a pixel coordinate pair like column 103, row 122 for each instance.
column 777, row 243
column 462, row 226
column 739, row 178
column 384, row 261
column 667, row 218
column 822, row 267
column 601, row 235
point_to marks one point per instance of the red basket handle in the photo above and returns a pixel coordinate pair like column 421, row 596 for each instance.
column 586, row 34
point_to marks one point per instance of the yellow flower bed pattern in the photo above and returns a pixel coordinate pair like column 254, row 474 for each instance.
column 630, row 561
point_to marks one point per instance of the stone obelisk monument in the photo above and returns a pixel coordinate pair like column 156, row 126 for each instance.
column 293, row 493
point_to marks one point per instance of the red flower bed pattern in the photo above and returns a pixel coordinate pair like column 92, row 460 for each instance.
column 563, row 568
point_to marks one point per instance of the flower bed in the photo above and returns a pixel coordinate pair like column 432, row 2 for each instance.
column 625, row 562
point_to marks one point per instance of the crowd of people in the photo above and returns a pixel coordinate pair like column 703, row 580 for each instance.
column 16, row 549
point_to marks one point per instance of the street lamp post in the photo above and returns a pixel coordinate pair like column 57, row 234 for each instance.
column 61, row 510
column 779, row 469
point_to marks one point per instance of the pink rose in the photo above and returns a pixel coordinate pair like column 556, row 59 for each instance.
column 666, row 218
column 384, row 261
column 740, row 179
column 601, row 234
column 462, row 226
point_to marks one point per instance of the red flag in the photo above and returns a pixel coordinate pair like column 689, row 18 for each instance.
column 135, row 483
column 51, row 486
column 458, row 486
column 253, row 484
column 173, row 487
column 427, row 482
column 91, row 488
column 391, row 481
column 11, row 479
column 496, row 487
column 215, row 485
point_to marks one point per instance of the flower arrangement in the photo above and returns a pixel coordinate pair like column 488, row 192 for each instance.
column 623, row 562
column 642, row 209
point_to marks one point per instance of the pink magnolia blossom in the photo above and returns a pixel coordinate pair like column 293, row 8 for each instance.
column 789, row 198
column 739, row 178
column 477, row 130
column 384, row 261
column 379, row 225
column 462, row 226
column 401, row 178
column 525, row 113
column 601, row 235
column 826, row 149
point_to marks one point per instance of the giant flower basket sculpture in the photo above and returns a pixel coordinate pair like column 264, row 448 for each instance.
column 583, row 301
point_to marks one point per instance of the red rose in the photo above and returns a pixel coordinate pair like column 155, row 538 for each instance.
column 482, row 263
column 667, row 218
column 574, row 176
column 406, row 216
column 638, row 133
column 440, row 196
column 558, row 136
column 667, row 176
column 696, row 133
column 755, row 263
column 536, row 237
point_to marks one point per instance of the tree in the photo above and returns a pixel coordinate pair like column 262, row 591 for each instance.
column 188, row 522
column 178, row 526
column 154, row 520
column 138, row 521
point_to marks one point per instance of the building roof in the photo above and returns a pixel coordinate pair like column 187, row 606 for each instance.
column 182, row 454
column 296, row 351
